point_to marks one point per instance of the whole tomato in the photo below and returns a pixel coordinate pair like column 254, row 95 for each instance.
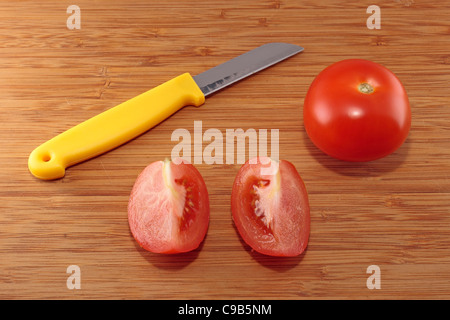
column 357, row 110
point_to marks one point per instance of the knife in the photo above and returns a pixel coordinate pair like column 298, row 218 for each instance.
column 129, row 119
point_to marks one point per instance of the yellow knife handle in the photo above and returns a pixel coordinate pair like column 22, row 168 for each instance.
column 113, row 127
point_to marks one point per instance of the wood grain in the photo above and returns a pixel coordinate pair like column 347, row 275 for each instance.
column 393, row 213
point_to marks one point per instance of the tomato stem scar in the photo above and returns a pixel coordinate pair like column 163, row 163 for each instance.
column 365, row 88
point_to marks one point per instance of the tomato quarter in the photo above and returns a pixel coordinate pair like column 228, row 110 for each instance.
column 357, row 110
column 270, row 207
column 168, row 209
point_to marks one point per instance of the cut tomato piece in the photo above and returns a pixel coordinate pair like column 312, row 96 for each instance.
column 168, row 209
column 270, row 207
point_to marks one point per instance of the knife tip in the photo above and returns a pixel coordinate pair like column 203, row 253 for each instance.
column 287, row 45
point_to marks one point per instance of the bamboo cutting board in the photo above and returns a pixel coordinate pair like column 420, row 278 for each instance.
column 392, row 213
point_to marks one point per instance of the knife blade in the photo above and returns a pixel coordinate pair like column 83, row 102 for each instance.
column 245, row 65
column 131, row 118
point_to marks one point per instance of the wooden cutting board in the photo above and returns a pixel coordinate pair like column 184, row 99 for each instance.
column 392, row 213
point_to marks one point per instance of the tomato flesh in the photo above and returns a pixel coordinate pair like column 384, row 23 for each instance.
column 357, row 110
column 271, row 210
column 168, row 209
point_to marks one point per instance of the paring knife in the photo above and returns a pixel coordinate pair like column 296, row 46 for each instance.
column 126, row 121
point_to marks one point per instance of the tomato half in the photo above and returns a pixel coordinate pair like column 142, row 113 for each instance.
column 168, row 209
column 270, row 208
column 357, row 110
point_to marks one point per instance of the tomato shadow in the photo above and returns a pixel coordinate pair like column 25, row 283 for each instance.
column 279, row 264
column 176, row 261
column 369, row 169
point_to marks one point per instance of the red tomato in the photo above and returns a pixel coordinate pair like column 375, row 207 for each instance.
column 357, row 110
column 271, row 209
column 168, row 209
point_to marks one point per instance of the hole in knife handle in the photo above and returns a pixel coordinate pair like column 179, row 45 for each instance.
column 46, row 157
column 44, row 164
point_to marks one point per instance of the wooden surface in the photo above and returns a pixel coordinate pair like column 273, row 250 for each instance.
column 393, row 213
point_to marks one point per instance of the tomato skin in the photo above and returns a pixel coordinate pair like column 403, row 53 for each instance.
column 284, row 196
column 168, row 208
column 351, row 125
